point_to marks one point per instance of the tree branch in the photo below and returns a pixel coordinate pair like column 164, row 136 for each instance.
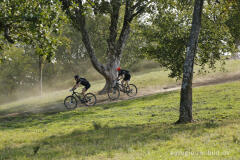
column 138, row 12
column 114, row 24
column 136, row 5
column 6, row 34
column 79, row 22
column 128, row 17
column 90, row 3
column 140, row 6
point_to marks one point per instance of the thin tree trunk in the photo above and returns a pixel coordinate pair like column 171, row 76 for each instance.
column 7, row 35
column 237, row 55
column 40, row 75
column 186, row 89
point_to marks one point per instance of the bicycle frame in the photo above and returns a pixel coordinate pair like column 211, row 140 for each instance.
column 120, row 86
column 75, row 94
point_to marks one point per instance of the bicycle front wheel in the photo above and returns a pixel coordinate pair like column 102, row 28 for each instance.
column 70, row 102
column 90, row 99
column 113, row 93
column 131, row 90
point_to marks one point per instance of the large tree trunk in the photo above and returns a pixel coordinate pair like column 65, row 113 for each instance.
column 186, row 90
column 115, row 47
column 111, row 75
column 108, row 71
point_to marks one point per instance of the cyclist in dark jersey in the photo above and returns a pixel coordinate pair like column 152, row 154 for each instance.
column 124, row 75
column 83, row 82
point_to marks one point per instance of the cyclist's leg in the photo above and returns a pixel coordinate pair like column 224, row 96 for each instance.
column 84, row 90
column 127, row 79
column 127, row 83
column 122, row 82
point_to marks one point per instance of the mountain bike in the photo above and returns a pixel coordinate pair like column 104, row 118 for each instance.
column 114, row 92
column 72, row 101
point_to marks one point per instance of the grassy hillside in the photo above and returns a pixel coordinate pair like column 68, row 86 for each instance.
column 134, row 129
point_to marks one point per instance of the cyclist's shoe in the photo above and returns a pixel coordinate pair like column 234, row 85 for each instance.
column 122, row 89
column 128, row 90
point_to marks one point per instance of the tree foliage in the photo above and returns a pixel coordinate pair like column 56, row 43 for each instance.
column 166, row 37
column 33, row 22
column 233, row 21
column 16, row 71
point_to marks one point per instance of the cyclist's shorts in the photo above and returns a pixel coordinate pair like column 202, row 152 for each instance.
column 87, row 86
column 127, row 77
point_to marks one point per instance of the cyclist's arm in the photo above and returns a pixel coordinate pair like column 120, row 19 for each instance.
column 75, row 86
column 120, row 77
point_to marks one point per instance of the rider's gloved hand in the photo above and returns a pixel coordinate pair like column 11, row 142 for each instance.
column 70, row 90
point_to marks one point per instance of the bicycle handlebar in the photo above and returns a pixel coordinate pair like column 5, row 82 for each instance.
column 73, row 91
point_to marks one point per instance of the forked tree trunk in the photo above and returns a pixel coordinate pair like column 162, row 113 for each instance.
column 108, row 71
column 115, row 46
column 186, row 90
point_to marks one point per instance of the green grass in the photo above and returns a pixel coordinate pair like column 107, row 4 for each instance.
column 134, row 129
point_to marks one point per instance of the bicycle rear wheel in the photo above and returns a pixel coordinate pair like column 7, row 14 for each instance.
column 70, row 102
column 90, row 99
column 131, row 90
column 113, row 93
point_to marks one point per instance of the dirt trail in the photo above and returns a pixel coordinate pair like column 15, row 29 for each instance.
column 141, row 93
column 198, row 83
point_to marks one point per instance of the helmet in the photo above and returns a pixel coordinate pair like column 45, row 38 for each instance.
column 118, row 69
column 76, row 77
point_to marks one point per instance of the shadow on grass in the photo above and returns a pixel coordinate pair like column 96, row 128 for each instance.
column 29, row 119
column 102, row 140
column 138, row 100
column 33, row 108
column 33, row 120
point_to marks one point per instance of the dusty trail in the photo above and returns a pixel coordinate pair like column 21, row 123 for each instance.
column 55, row 108
column 159, row 89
